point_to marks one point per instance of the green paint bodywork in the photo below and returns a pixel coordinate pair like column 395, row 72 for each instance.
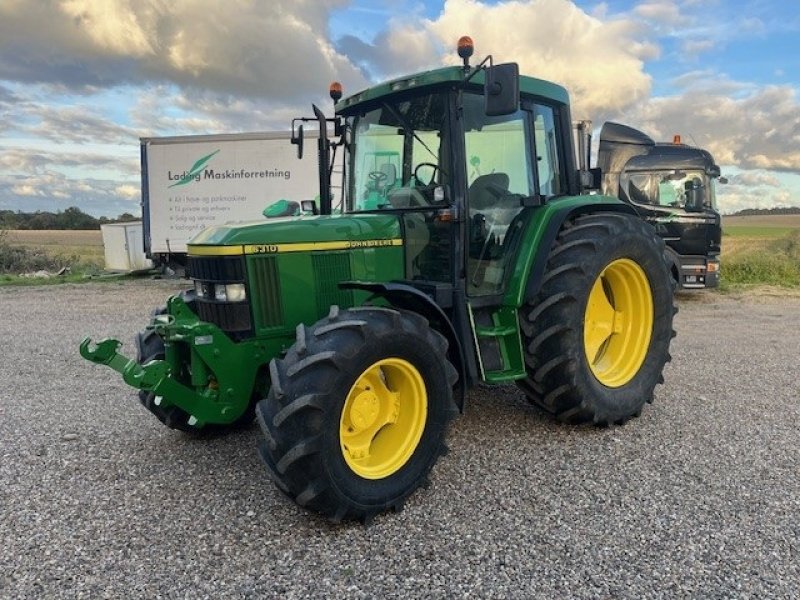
column 321, row 228
column 212, row 377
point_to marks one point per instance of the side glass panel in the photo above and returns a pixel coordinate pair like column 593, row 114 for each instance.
column 498, row 155
column 642, row 189
column 551, row 180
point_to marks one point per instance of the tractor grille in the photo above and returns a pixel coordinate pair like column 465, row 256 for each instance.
column 232, row 317
column 216, row 268
column 330, row 269
column 265, row 289
column 210, row 271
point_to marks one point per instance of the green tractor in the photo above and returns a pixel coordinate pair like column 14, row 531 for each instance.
column 352, row 335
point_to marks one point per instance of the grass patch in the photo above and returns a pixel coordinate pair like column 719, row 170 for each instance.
column 776, row 262
column 20, row 261
column 756, row 231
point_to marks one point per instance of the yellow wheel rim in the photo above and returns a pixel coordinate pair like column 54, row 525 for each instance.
column 618, row 323
column 383, row 418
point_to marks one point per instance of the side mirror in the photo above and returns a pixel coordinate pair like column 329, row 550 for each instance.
column 282, row 208
column 478, row 229
column 298, row 141
column 723, row 180
column 309, row 206
column 501, row 89
column 695, row 196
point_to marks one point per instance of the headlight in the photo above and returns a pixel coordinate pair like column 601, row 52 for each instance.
column 231, row 292
column 235, row 292
column 221, row 292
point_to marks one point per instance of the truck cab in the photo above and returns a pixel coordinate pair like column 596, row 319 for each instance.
column 671, row 186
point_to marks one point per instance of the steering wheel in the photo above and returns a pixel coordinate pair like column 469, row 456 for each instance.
column 433, row 174
column 377, row 176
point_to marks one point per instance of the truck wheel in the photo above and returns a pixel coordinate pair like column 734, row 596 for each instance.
column 597, row 334
column 356, row 415
column 150, row 346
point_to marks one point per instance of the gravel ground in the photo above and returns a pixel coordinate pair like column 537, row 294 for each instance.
column 699, row 497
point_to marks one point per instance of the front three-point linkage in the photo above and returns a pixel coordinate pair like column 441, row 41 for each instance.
column 202, row 372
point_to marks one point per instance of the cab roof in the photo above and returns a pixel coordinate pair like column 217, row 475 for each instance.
column 528, row 86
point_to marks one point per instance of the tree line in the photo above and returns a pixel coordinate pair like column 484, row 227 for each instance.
column 71, row 218
column 752, row 212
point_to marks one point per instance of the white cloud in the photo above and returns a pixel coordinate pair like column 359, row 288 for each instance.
column 694, row 47
column 275, row 48
column 599, row 61
column 755, row 178
column 752, row 26
column 662, row 13
column 23, row 161
column 758, row 129
column 75, row 124
column 26, row 189
column 128, row 191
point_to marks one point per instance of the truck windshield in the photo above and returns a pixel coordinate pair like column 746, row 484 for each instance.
column 689, row 190
column 398, row 154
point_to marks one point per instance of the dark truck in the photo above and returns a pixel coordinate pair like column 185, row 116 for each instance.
column 671, row 186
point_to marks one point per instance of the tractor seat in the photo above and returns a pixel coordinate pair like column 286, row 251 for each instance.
column 389, row 182
column 483, row 192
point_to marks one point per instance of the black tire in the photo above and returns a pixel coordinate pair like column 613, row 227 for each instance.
column 560, row 378
column 303, row 412
column 150, row 346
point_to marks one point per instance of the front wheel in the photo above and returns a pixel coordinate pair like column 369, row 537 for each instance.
column 597, row 335
column 357, row 412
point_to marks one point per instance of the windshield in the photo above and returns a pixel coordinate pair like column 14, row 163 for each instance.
column 689, row 190
column 398, row 154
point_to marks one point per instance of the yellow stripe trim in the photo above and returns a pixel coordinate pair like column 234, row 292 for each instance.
column 290, row 247
column 214, row 250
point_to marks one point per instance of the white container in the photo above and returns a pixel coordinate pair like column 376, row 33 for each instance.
column 123, row 244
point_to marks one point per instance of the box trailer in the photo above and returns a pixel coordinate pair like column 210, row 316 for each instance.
column 123, row 246
column 193, row 182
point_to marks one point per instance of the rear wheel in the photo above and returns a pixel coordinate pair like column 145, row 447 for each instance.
column 597, row 335
column 357, row 412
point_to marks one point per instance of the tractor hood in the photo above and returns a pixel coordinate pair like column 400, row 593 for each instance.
column 317, row 232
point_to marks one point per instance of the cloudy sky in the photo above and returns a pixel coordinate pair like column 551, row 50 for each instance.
column 82, row 80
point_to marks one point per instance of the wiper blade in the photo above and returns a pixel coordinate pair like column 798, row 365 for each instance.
column 407, row 127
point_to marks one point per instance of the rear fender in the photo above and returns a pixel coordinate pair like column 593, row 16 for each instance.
column 556, row 221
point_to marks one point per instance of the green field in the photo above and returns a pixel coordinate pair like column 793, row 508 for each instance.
column 761, row 250
column 22, row 253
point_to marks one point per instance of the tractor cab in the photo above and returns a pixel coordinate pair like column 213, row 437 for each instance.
column 411, row 148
